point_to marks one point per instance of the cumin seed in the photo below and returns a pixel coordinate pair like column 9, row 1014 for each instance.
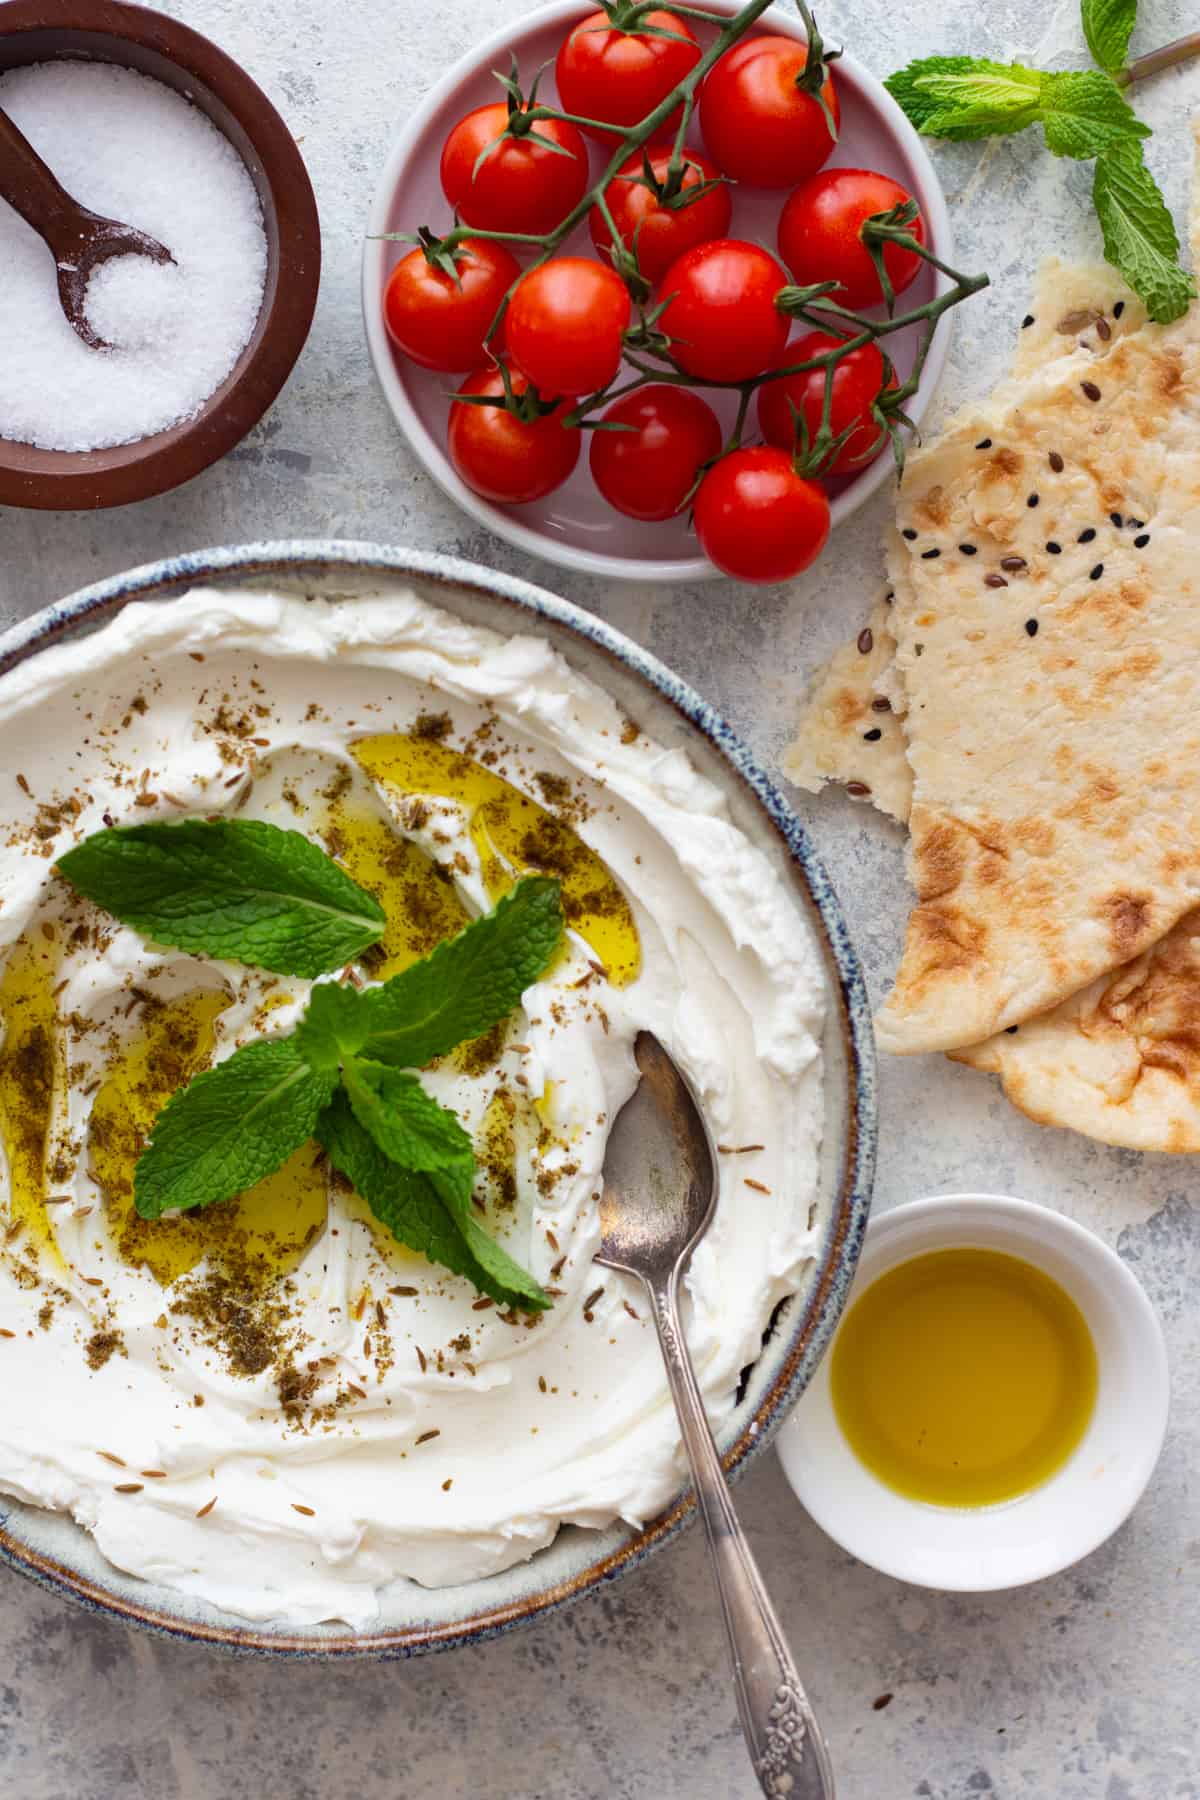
column 421, row 1357
column 542, row 1384
column 427, row 1435
column 592, row 1298
column 22, row 784
column 128, row 1487
column 631, row 1310
column 153, row 1474
column 405, row 1293
column 758, row 1186
column 482, row 1304
column 308, row 1511
column 207, row 1508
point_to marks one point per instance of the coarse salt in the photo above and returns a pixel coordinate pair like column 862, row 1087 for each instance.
column 130, row 149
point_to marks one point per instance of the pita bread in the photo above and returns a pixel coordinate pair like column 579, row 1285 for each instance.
column 1071, row 304
column 1120, row 1060
column 847, row 733
column 1056, row 776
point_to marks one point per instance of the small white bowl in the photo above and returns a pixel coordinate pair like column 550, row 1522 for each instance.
column 978, row 1549
column 574, row 526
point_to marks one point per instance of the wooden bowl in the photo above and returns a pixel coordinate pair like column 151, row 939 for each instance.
column 33, row 31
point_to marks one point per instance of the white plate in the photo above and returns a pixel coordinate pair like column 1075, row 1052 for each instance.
column 575, row 527
column 975, row 1549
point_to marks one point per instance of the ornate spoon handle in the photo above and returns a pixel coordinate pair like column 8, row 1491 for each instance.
column 785, row 1742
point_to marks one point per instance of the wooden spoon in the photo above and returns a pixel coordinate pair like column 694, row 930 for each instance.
column 79, row 240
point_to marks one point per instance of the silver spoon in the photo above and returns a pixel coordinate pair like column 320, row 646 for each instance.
column 659, row 1196
column 79, row 240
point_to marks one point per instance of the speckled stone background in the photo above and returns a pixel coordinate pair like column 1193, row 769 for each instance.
column 1086, row 1687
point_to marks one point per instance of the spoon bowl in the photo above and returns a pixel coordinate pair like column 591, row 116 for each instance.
column 78, row 239
column 660, row 1188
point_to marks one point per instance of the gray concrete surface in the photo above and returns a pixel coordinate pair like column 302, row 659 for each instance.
column 1082, row 1688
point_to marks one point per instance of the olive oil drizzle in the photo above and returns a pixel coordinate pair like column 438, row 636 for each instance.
column 32, row 1078
column 260, row 1235
column 513, row 836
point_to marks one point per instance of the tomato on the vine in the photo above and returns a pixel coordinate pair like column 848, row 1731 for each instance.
column 565, row 323
column 757, row 518
column 441, row 322
column 720, row 311
column 520, row 185
column 859, row 378
column 503, row 457
column 820, row 234
column 662, row 230
column 617, row 76
column 758, row 121
column 648, row 469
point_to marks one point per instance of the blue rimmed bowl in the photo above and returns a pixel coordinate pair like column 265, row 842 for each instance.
column 59, row 1554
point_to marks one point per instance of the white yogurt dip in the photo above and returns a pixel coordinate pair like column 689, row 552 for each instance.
column 361, row 1417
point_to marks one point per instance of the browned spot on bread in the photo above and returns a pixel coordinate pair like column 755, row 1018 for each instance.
column 1037, row 836
column 848, row 706
column 941, row 938
column 933, row 508
column 1168, row 368
column 939, row 860
column 1094, row 801
column 1001, row 467
column 1128, row 920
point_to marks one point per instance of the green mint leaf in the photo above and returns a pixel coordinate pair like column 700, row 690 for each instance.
column 469, row 982
column 334, row 1027
column 1084, row 114
column 906, row 85
column 411, row 1208
column 966, row 96
column 1139, row 232
column 231, row 888
column 230, row 1127
column 407, row 1123
column 1108, row 27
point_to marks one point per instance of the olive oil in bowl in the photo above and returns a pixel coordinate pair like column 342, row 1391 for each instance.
column 964, row 1377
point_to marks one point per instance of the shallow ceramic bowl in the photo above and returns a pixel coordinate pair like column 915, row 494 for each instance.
column 977, row 1549
column 575, row 527
column 33, row 31
column 59, row 1554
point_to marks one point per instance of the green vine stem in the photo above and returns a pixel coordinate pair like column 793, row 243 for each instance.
column 813, row 305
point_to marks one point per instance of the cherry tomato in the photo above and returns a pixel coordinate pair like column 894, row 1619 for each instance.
column 522, row 185
column 662, row 232
column 757, row 519
column 819, row 234
column 649, row 471
column 505, row 458
column 619, row 76
column 858, row 380
column 564, row 323
column 441, row 323
column 720, row 313
column 757, row 122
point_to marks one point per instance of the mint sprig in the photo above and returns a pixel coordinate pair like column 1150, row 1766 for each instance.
column 416, row 1214
column 345, row 1075
column 1108, row 26
column 231, row 1127
column 1083, row 114
column 237, row 889
column 1139, row 232
column 462, row 987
